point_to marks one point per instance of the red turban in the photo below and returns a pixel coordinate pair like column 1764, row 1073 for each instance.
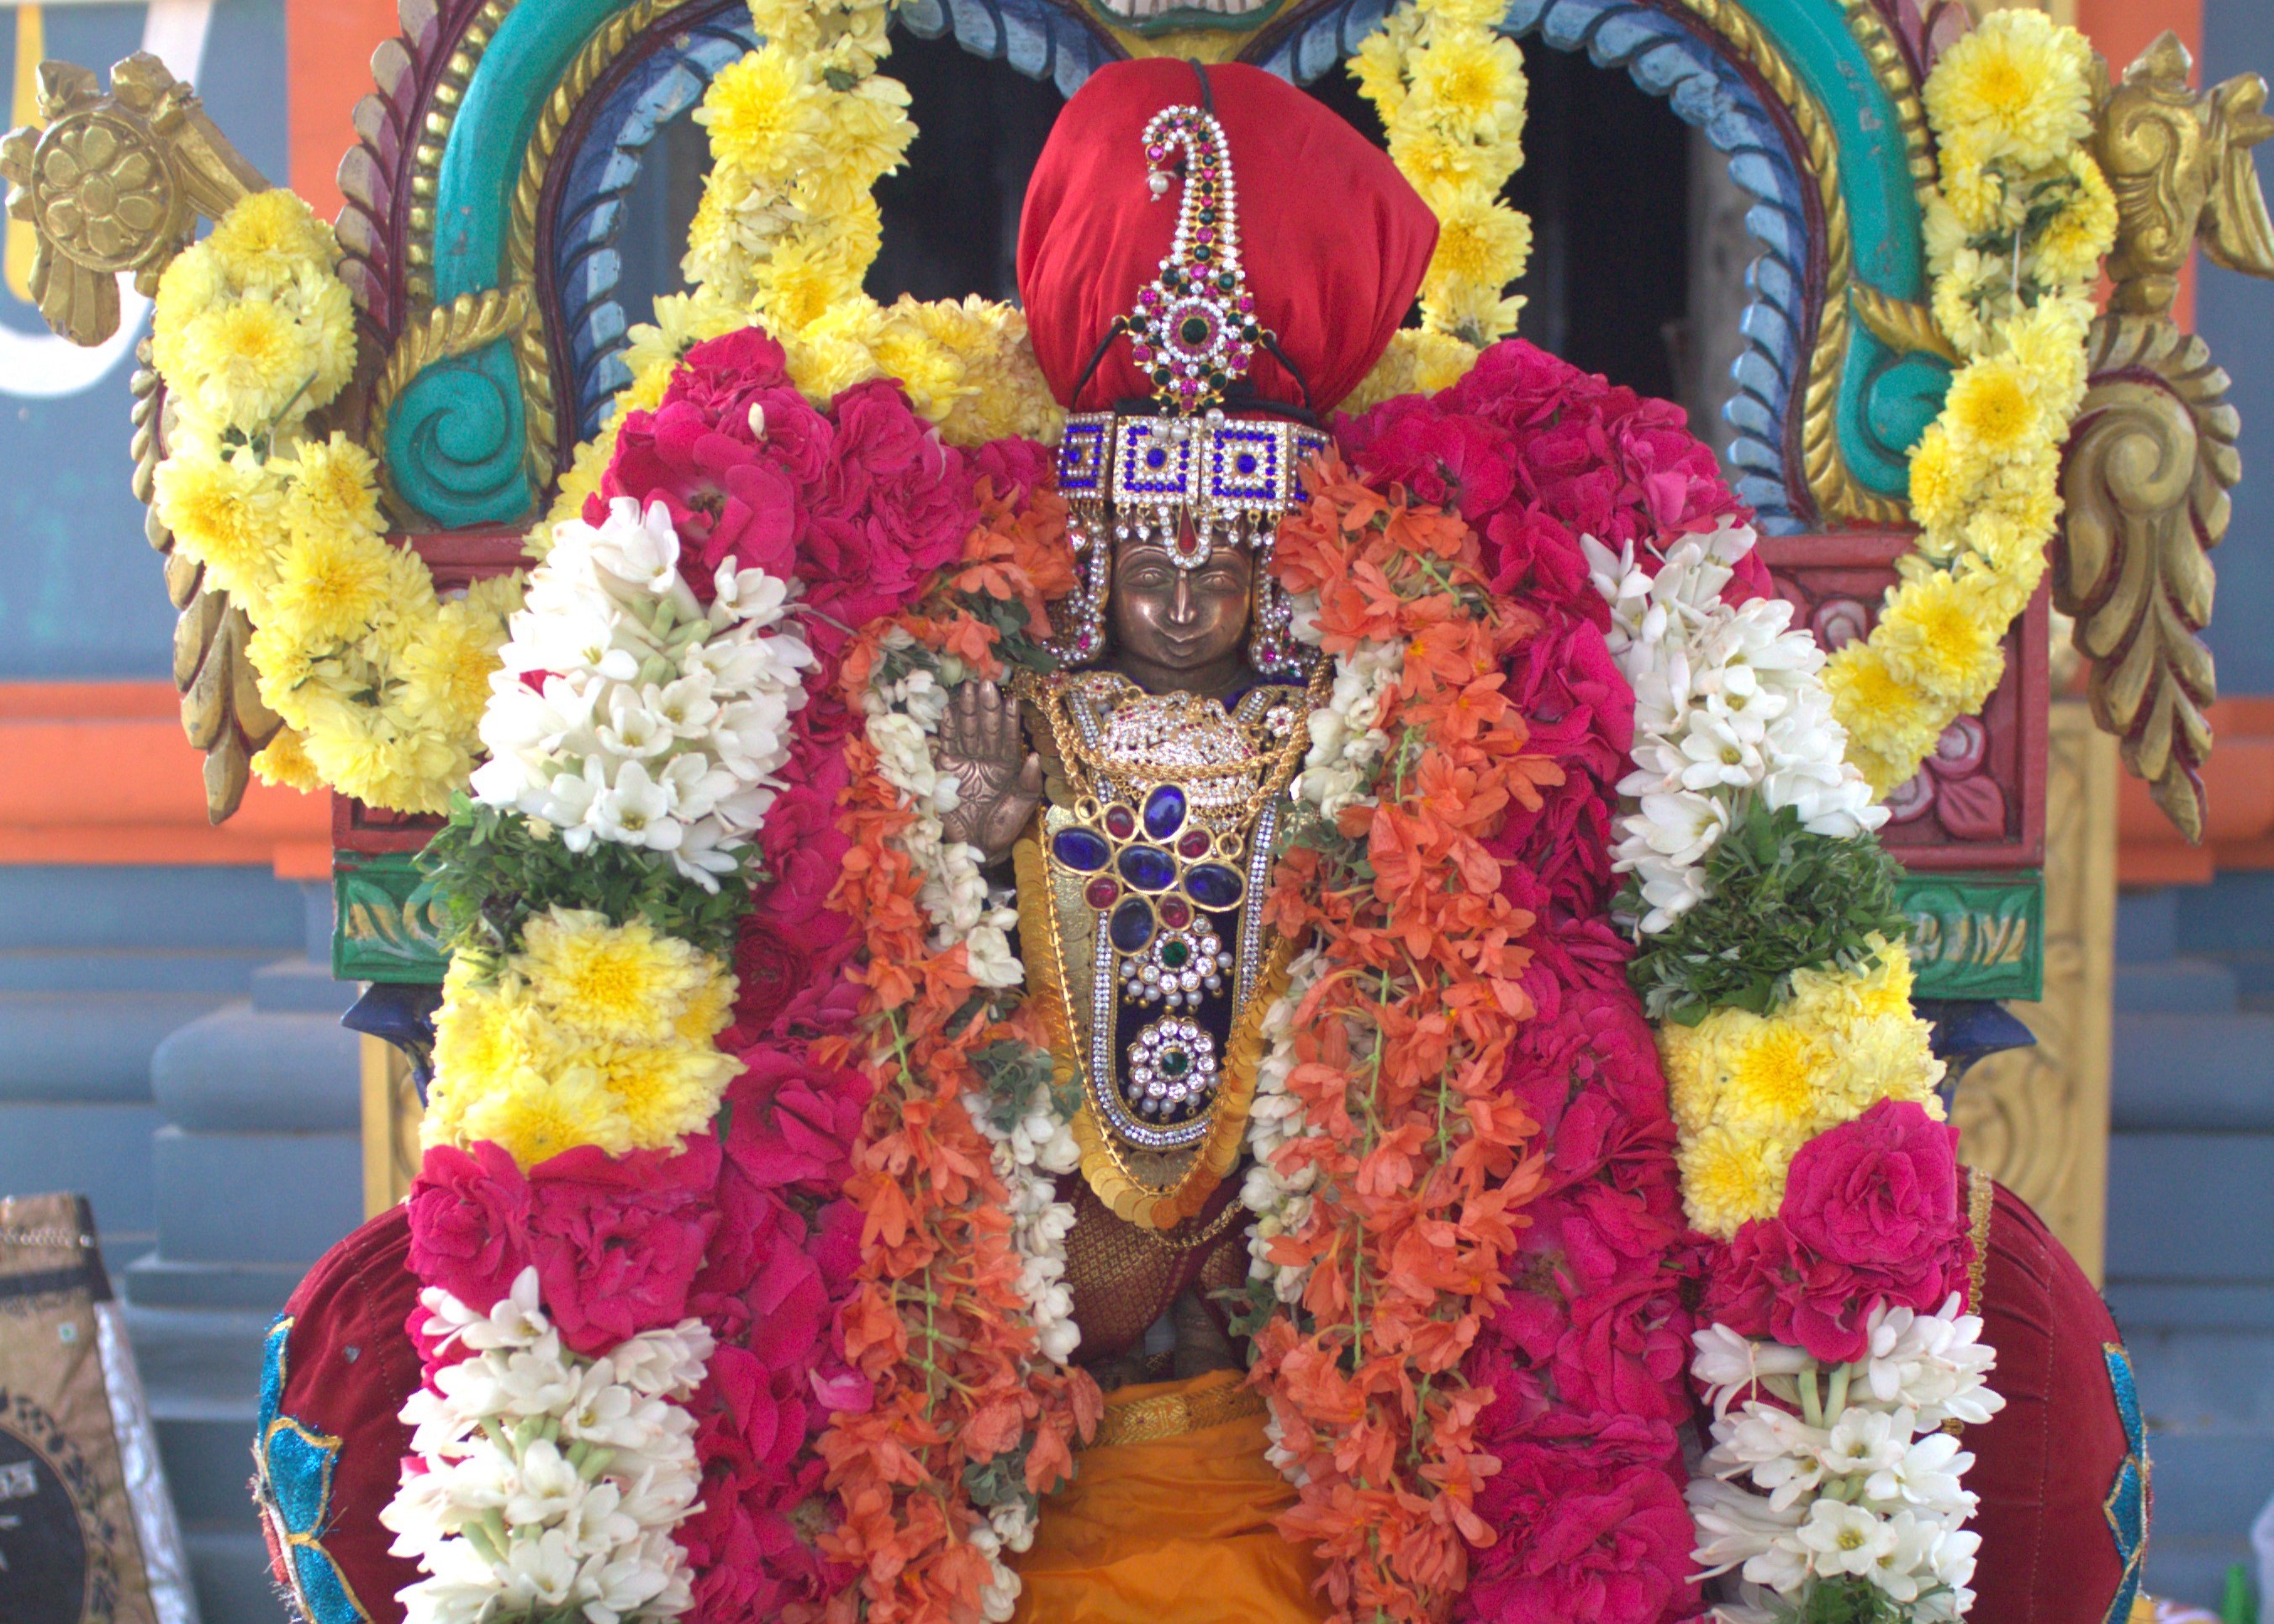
column 1333, row 239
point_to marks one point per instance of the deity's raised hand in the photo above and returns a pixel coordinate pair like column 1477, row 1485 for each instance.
column 998, row 780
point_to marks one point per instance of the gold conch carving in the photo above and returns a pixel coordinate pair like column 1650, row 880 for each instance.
column 113, row 185
column 2152, row 455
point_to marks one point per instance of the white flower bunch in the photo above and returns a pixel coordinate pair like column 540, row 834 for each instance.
column 1729, row 704
column 625, row 710
column 1853, row 1478
column 1346, row 746
column 1280, row 1201
column 904, row 713
column 552, row 1481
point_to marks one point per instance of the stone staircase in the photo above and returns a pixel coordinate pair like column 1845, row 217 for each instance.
column 171, row 1046
column 2191, row 1214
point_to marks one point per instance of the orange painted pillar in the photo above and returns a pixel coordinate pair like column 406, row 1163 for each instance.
column 328, row 47
column 2120, row 30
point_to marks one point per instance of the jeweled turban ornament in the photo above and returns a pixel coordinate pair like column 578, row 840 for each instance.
column 1213, row 413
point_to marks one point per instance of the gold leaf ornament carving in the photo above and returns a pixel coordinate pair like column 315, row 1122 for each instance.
column 114, row 183
column 2148, row 467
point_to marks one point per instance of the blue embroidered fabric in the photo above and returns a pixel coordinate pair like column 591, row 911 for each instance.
column 2127, row 1504
column 293, row 1482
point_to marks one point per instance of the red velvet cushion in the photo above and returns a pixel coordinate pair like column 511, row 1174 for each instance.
column 2048, row 1463
column 340, row 1365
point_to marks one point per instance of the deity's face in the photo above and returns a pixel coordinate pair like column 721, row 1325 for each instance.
column 1185, row 621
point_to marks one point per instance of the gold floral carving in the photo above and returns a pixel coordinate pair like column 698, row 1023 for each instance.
column 434, row 135
column 2152, row 456
column 2037, row 1119
column 114, row 184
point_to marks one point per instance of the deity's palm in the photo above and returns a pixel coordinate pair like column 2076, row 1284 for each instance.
column 998, row 780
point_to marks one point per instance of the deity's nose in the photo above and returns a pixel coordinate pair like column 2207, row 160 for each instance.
column 1180, row 606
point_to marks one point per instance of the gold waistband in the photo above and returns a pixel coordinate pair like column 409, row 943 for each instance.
column 1172, row 1415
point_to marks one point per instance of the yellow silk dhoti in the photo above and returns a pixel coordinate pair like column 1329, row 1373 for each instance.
column 1172, row 1529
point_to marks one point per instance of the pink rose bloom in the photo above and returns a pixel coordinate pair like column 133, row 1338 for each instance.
column 791, row 1123
column 470, row 1222
column 617, row 1240
column 1584, row 1535
column 721, row 377
column 1015, row 468
column 1440, row 457
column 1876, row 1191
column 727, row 497
column 894, row 509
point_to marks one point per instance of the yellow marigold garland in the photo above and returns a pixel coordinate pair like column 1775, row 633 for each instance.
column 1451, row 90
column 2015, row 232
column 590, row 1033
column 1748, row 1091
column 801, row 131
column 381, row 686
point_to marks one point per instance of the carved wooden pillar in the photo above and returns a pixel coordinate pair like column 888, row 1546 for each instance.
column 390, row 1125
column 2037, row 1119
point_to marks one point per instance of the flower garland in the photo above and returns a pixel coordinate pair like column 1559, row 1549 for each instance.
column 2015, row 232
column 800, row 129
column 1585, row 1357
column 1449, row 88
column 1390, row 1173
column 1858, row 1471
column 379, row 683
column 550, row 1482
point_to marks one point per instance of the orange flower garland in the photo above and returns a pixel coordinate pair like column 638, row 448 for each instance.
column 937, row 1320
column 1422, row 1165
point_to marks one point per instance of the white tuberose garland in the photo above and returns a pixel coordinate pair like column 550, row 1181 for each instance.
column 1857, row 1479
column 625, row 710
column 1729, row 702
column 551, row 1483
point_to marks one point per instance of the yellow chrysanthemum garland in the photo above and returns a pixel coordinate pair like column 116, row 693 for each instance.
column 590, row 1033
column 2015, row 233
column 1748, row 1091
column 801, row 131
column 1451, row 90
column 379, row 685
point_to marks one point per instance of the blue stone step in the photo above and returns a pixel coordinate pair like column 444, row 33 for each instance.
column 2210, row 1485
column 300, row 987
column 84, row 1046
column 255, row 1197
column 229, row 1561
column 2147, row 925
column 101, row 1151
column 2142, row 1306
column 153, row 1282
column 132, row 906
column 223, row 974
column 237, row 1070
column 2196, row 1073
column 2204, row 1380
column 201, row 1371
column 2191, row 1209
column 2229, row 916
column 2175, row 986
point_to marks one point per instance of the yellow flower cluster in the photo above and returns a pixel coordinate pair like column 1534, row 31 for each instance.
column 381, row 686
column 1451, row 90
column 2015, row 232
column 591, row 1033
column 801, row 131
column 1748, row 1091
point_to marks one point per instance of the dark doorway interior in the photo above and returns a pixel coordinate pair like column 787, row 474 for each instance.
column 1605, row 179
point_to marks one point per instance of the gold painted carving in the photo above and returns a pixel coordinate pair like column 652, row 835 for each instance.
column 114, row 184
column 2179, row 161
column 1902, row 326
column 2037, row 1119
column 2152, row 456
column 1893, row 70
column 391, row 1114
